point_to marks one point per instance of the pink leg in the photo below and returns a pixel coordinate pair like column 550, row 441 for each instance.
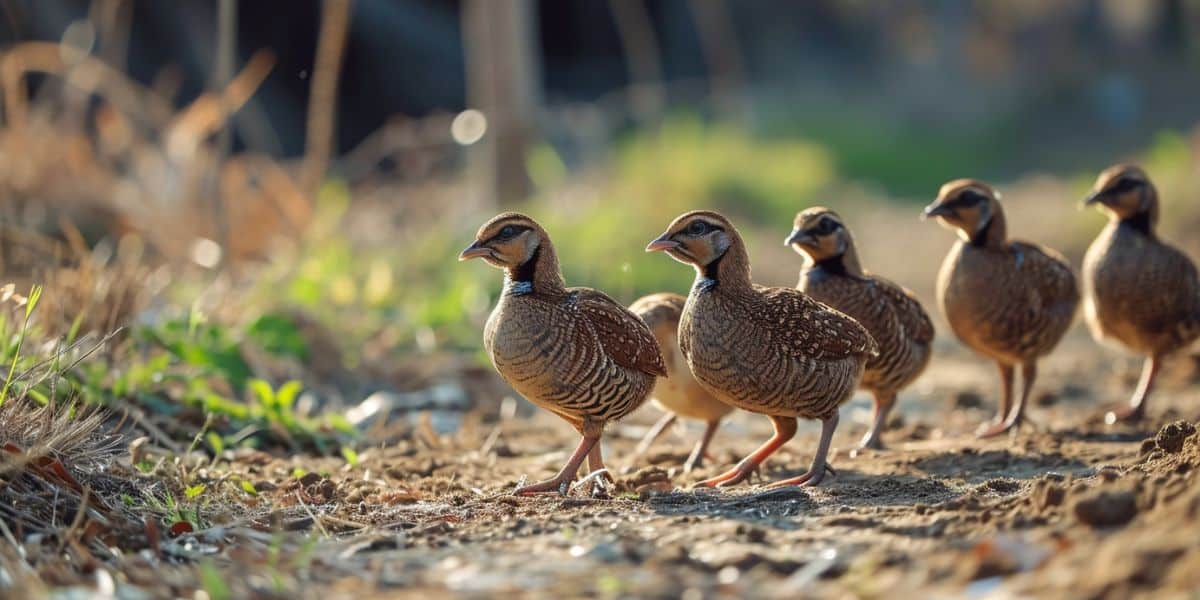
column 1136, row 409
column 997, row 426
column 883, row 407
column 655, row 432
column 816, row 471
column 785, row 429
column 564, row 478
column 701, row 449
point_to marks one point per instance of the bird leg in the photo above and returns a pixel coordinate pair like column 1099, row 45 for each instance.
column 883, row 406
column 785, row 429
column 651, row 436
column 701, row 449
column 1136, row 409
column 1017, row 416
column 997, row 426
column 564, row 478
column 816, row 471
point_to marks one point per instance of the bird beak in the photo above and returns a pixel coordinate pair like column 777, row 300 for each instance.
column 935, row 210
column 475, row 250
column 1093, row 198
column 663, row 243
column 797, row 237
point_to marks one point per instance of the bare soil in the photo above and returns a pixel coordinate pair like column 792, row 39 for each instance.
column 1066, row 507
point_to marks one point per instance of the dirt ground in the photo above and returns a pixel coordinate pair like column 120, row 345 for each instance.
column 1069, row 507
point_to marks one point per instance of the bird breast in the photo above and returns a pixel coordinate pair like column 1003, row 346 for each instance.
column 1012, row 304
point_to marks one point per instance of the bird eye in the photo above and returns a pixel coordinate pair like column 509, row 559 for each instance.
column 508, row 231
column 827, row 226
column 697, row 228
column 1125, row 184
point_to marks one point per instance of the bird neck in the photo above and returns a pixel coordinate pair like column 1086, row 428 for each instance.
column 1146, row 219
column 994, row 233
column 730, row 271
column 1142, row 222
column 540, row 273
column 845, row 264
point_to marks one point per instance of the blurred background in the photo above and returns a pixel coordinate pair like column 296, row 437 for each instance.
column 277, row 191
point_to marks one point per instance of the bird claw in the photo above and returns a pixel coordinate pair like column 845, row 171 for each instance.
column 809, row 479
column 557, row 485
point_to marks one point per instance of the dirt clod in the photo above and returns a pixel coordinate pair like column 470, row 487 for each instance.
column 1172, row 436
column 1107, row 508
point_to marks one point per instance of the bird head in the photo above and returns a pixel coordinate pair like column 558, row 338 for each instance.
column 965, row 205
column 507, row 241
column 819, row 233
column 697, row 238
column 1123, row 191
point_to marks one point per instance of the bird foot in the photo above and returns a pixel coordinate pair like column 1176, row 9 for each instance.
column 809, row 479
column 995, row 428
column 731, row 477
column 869, row 442
column 1124, row 414
column 558, row 485
column 595, row 483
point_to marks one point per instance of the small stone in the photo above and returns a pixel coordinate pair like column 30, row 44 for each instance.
column 1107, row 508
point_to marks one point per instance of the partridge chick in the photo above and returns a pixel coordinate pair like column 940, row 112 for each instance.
column 773, row 351
column 1010, row 301
column 901, row 327
column 678, row 394
column 573, row 351
column 1138, row 290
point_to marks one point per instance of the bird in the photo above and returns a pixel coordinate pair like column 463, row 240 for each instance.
column 573, row 351
column 895, row 318
column 1139, row 291
column 773, row 351
column 678, row 394
column 1009, row 300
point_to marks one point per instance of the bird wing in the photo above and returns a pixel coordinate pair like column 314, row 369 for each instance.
column 624, row 337
column 807, row 328
column 1053, row 281
column 907, row 310
column 1174, row 305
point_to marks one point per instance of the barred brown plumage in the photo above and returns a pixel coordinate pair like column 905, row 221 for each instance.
column 1010, row 301
column 1139, row 291
column 573, row 351
column 773, row 351
column 678, row 394
column 832, row 274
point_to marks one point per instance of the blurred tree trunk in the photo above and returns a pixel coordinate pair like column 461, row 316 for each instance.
column 726, row 72
column 321, row 132
column 647, row 97
column 503, row 82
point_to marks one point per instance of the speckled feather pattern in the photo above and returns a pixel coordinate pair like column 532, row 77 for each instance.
column 890, row 313
column 678, row 392
column 579, row 354
column 1012, row 303
column 772, row 350
column 1140, row 291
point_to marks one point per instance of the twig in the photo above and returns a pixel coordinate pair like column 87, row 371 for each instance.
column 311, row 514
column 140, row 418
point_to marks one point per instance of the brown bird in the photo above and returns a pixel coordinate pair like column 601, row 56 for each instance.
column 773, row 351
column 678, row 394
column 832, row 274
column 573, row 351
column 1138, row 290
column 1008, row 300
